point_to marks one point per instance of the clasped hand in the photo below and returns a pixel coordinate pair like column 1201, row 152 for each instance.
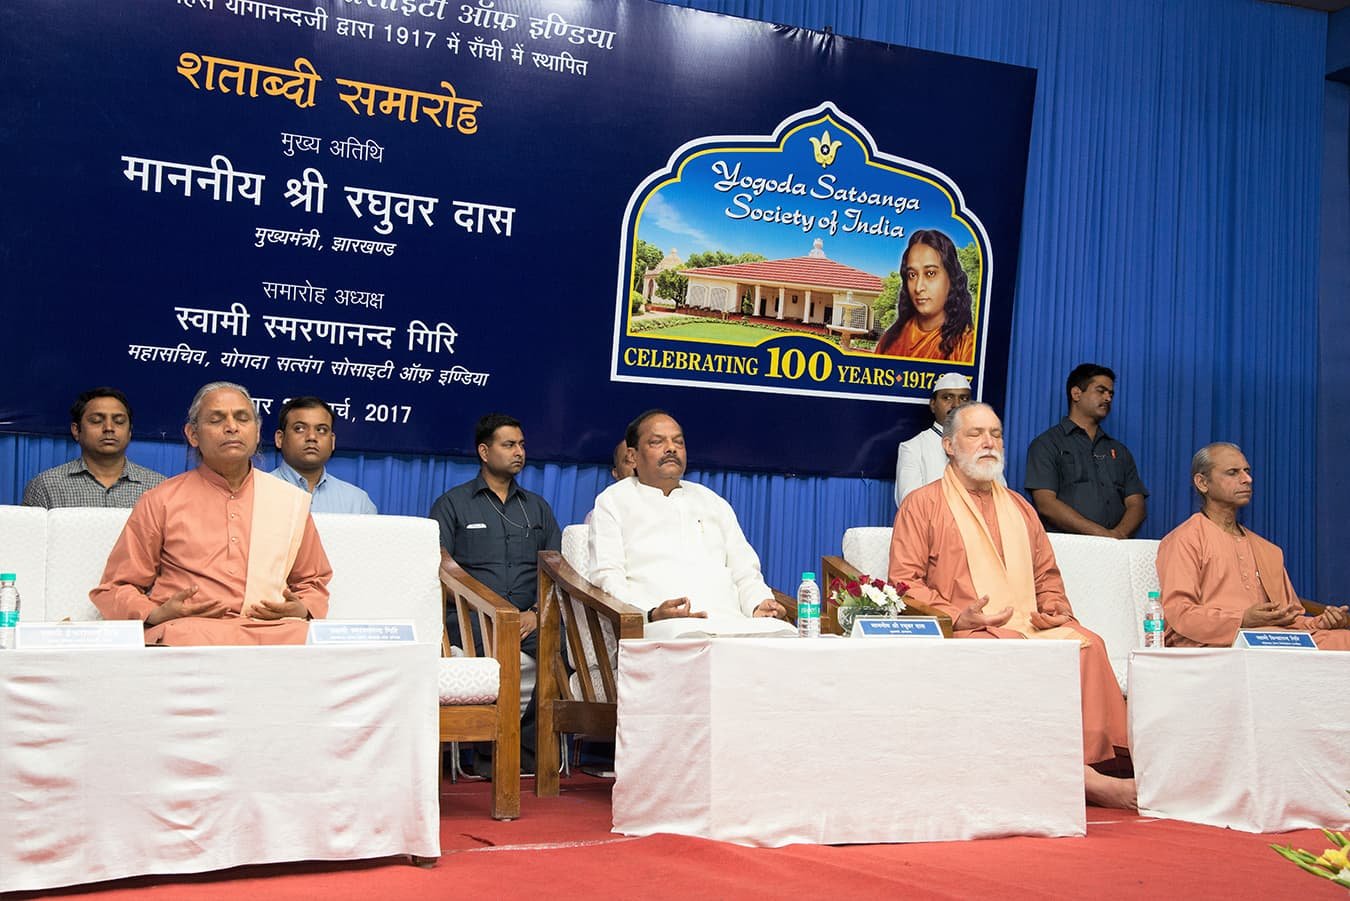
column 1269, row 615
column 1055, row 613
column 290, row 605
column 675, row 608
column 1333, row 618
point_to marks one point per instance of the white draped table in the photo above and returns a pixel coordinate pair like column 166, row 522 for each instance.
column 1256, row 740
column 118, row 763
column 774, row 741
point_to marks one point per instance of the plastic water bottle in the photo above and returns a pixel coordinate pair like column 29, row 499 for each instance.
column 9, row 610
column 1153, row 621
column 808, row 607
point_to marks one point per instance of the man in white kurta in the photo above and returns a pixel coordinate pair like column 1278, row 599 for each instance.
column 922, row 459
column 674, row 548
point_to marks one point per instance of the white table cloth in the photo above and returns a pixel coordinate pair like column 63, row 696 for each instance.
column 774, row 741
column 1256, row 740
column 182, row 760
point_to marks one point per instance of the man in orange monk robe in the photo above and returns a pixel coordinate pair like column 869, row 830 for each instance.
column 1218, row 576
column 965, row 540
column 221, row 554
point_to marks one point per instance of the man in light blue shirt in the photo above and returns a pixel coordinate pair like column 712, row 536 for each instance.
column 306, row 441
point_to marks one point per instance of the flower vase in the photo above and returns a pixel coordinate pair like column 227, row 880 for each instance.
column 847, row 614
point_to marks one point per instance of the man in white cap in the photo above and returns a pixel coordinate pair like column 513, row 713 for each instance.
column 922, row 458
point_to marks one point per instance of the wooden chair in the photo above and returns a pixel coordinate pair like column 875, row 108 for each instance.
column 497, row 722
column 570, row 605
column 575, row 619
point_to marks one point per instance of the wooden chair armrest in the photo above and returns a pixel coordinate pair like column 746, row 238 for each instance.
column 628, row 620
column 790, row 604
column 477, row 598
column 839, row 568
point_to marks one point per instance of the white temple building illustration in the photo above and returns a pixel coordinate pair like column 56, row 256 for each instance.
column 812, row 289
column 670, row 261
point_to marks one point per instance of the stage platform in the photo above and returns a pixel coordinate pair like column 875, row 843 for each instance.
column 563, row 848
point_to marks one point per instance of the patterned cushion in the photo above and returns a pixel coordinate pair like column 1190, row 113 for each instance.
column 1097, row 579
column 23, row 551
column 79, row 540
column 384, row 567
column 576, row 551
column 576, row 548
column 869, row 550
column 1143, row 557
column 468, row 680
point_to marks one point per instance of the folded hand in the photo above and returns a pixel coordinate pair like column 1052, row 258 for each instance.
column 289, row 606
column 974, row 617
column 770, row 607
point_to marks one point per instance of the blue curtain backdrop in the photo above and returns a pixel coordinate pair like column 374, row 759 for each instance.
column 1171, row 229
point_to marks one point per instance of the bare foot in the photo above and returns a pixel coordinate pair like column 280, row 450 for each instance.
column 1108, row 791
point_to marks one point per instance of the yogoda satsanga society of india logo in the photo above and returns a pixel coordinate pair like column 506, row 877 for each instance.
column 805, row 261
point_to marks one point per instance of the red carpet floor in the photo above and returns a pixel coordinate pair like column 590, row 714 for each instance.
column 562, row 848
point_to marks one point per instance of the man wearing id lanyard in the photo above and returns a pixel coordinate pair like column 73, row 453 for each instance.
column 494, row 530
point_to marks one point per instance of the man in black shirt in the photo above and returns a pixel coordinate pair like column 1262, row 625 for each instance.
column 1080, row 478
column 495, row 530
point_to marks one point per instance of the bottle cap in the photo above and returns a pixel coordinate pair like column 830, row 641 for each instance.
column 6, row 577
column 1152, row 595
column 808, row 577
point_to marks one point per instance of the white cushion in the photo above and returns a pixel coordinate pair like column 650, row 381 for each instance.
column 384, row 567
column 868, row 549
column 468, row 680
column 23, row 551
column 79, row 540
column 1097, row 580
column 600, row 694
column 576, row 550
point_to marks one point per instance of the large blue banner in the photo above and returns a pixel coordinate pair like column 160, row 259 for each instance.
column 569, row 211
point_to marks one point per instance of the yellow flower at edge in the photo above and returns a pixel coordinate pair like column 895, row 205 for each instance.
column 1335, row 858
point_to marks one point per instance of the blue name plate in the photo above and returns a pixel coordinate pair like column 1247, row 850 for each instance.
column 332, row 631
column 114, row 633
column 1261, row 638
column 896, row 627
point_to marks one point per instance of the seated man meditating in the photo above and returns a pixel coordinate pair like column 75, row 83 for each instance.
column 1218, row 576
column 221, row 554
column 674, row 548
column 967, row 546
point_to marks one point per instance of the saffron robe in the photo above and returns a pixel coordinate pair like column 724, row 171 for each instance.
column 911, row 341
column 928, row 553
column 192, row 530
column 1209, row 578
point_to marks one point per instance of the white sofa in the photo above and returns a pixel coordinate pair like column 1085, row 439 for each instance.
column 1107, row 582
column 384, row 567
